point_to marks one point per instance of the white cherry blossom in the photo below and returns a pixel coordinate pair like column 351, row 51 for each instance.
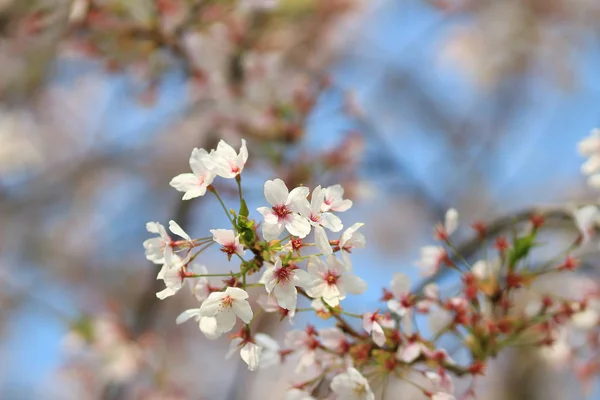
column 409, row 352
column 194, row 184
column 270, row 355
column 219, row 311
column 374, row 323
column 351, row 385
column 306, row 345
column 349, row 240
column 172, row 273
column 283, row 213
column 156, row 247
column 443, row 385
column 431, row 259
column 334, row 199
column 313, row 212
column 333, row 280
column 451, row 221
column 225, row 162
column 587, row 219
column 400, row 288
column 334, row 339
column 249, row 352
column 269, row 304
column 229, row 241
column 281, row 281
column 590, row 147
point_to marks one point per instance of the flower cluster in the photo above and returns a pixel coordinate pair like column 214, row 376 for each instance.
column 293, row 253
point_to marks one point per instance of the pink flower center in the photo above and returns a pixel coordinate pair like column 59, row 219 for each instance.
column 229, row 249
column 331, row 278
column 283, row 274
column 281, row 211
column 315, row 217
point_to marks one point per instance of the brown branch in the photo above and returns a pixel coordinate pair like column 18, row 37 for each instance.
column 499, row 225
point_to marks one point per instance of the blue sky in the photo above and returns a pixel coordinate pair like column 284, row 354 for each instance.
column 537, row 156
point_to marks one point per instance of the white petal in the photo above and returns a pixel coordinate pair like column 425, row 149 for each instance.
column 223, row 236
column 271, row 231
column 322, row 241
column 286, row 295
column 185, row 182
column 187, row 314
column 250, row 353
column 451, row 221
column 243, row 310
column 299, row 226
column 400, row 285
column 176, row 229
column 353, row 284
column 331, row 222
column 208, row 326
column 276, row 192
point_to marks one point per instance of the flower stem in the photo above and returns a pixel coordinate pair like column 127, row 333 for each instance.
column 214, row 191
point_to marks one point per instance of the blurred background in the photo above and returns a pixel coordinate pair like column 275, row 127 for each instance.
column 414, row 106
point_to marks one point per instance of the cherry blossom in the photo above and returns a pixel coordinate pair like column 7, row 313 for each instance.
column 351, row 385
column 172, row 274
column 334, row 199
column 374, row 322
column 156, row 247
column 269, row 304
column 201, row 287
column 352, row 239
column 224, row 161
column 332, row 280
column 483, row 269
column 409, row 352
column 250, row 352
column 400, row 288
column 313, row 212
column 334, row 339
column 451, row 221
column 219, row 311
column 587, row 219
column 284, row 211
column 349, row 240
column 188, row 314
column 590, row 147
column 431, row 259
column 444, row 388
column 431, row 293
column 194, row 184
column 305, row 344
column 270, row 355
column 229, row 241
column 588, row 318
column 281, row 281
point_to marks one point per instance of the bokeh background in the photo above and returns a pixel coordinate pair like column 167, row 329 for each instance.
column 414, row 106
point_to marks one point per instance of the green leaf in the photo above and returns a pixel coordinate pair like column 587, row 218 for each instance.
column 521, row 248
column 243, row 208
column 245, row 228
